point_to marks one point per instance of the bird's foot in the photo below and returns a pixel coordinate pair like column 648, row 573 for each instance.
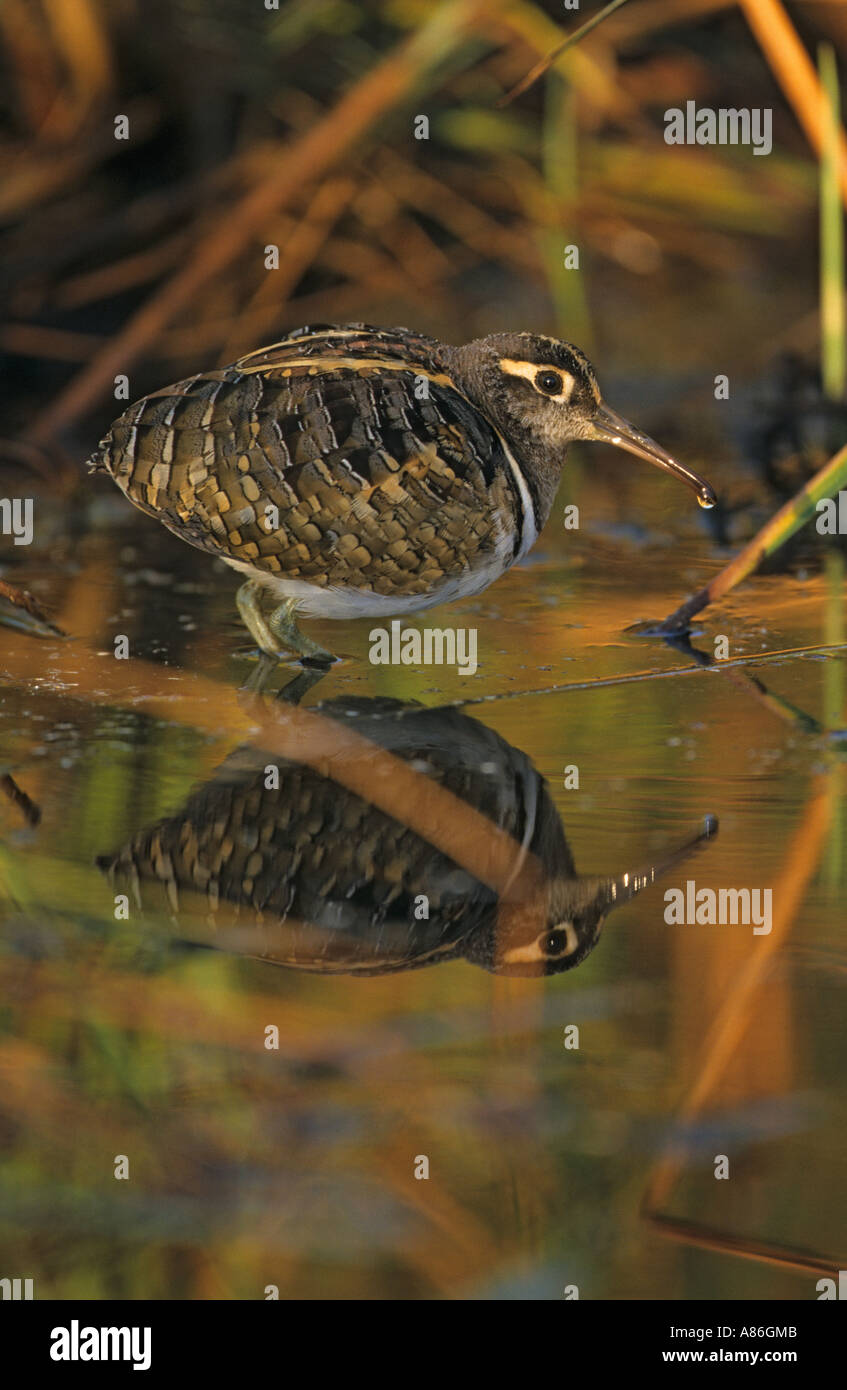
column 282, row 624
column 277, row 635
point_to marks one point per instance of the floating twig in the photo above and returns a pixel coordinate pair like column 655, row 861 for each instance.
column 25, row 804
column 23, row 600
column 800, row 509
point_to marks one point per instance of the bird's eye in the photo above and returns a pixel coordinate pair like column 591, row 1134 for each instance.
column 549, row 382
column 555, row 943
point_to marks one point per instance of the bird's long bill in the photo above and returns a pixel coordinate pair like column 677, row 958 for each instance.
column 627, row 886
column 611, row 428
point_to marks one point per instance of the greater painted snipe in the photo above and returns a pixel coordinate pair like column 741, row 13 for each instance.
column 351, row 472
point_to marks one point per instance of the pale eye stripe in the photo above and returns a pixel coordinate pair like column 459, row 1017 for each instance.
column 532, row 952
column 531, row 369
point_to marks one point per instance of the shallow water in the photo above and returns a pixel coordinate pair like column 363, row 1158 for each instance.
column 549, row 1166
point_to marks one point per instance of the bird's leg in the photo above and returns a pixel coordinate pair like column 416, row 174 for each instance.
column 302, row 683
column 264, row 671
column 249, row 600
column 278, row 634
column 284, row 627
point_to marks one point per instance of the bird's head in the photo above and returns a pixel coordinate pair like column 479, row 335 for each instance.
column 556, row 924
column 542, row 394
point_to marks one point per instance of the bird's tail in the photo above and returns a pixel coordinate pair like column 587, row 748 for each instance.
column 98, row 462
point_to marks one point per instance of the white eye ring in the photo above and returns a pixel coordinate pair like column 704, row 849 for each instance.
column 532, row 370
column 571, row 940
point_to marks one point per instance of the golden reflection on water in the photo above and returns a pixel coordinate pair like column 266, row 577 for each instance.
column 295, row 1166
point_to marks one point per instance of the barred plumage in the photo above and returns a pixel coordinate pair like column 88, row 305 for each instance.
column 360, row 471
column 312, row 875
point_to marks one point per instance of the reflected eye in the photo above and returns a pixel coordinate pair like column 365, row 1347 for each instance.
column 555, row 943
column 549, row 382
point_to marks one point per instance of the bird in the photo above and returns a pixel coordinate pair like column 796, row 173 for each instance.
column 353, row 471
column 310, row 869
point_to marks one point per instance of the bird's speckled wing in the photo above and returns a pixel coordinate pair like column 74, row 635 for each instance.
column 339, row 875
column 313, row 875
column 338, row 457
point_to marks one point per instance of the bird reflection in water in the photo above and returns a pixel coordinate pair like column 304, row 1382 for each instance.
column 377, row 836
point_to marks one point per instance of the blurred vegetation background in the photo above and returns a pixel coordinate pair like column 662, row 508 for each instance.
column 296, row 127
column 235, row 143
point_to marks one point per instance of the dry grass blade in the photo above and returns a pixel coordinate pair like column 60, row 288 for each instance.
column 52, row 344
column 49, row 171
column 303, row 242
column 594, row 79
column 742, row 1247
column 540, row 68
column 459, row 215
column 833, row 334
column 794, row 70
column 726, row 1039
column 321, row 149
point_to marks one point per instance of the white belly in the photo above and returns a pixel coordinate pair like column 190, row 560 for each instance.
column 346, row 602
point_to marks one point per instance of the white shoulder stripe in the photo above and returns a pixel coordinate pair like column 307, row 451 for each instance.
column 529, row 529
